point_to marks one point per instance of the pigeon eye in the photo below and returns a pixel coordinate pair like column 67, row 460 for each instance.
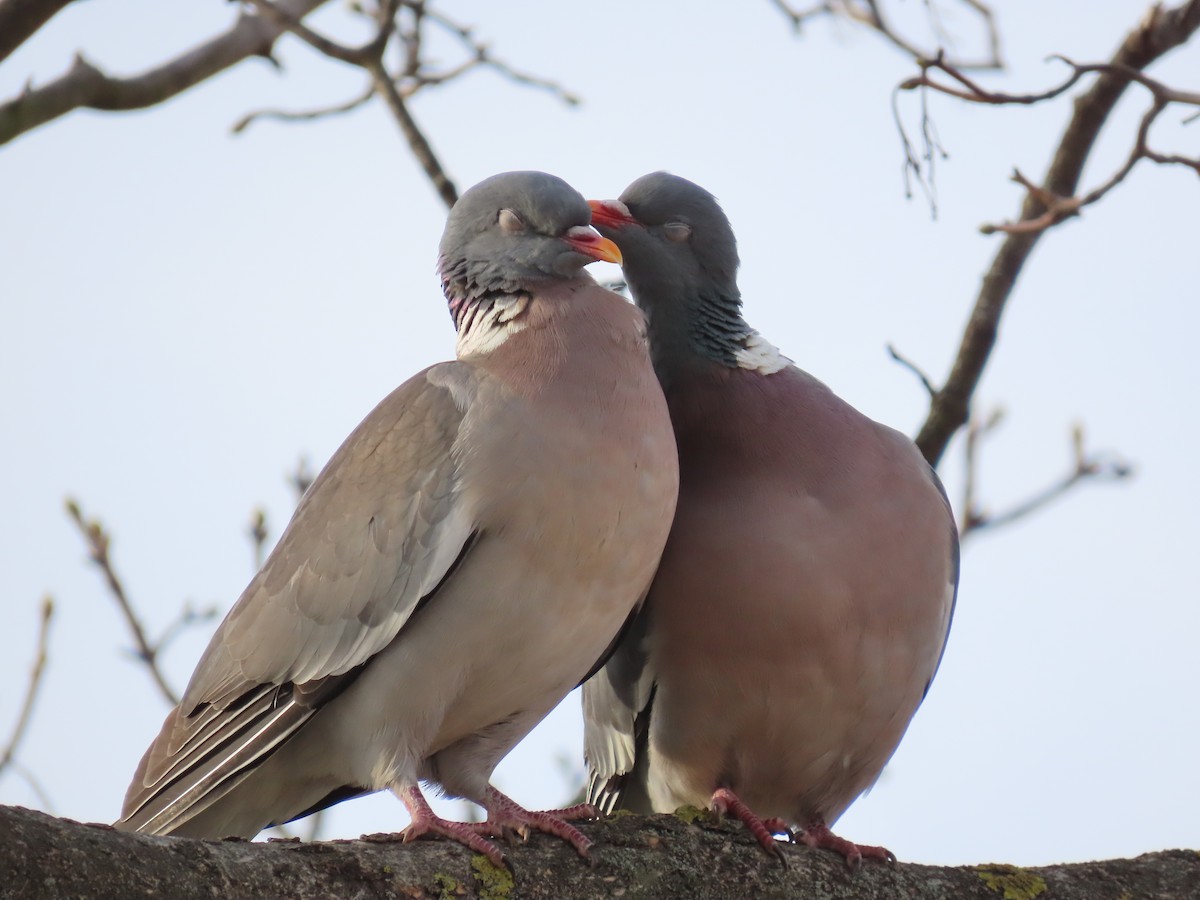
column 510, row 222
column 677, row 231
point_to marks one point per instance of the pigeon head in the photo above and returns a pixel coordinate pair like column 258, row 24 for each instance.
column 515, row 230
column 670, row 228
column 680, row 259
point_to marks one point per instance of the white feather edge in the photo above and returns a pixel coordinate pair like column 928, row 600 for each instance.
column 482, row 332
column 760, row 355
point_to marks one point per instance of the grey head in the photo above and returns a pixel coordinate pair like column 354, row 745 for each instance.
column 680, row 259
column 514, row 231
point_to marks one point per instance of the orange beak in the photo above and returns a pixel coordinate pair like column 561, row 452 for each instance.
column 587, row 241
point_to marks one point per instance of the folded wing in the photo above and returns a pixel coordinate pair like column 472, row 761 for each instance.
column 381, row 528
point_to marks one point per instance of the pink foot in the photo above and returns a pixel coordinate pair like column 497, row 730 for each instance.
column 726, row 802
column 817, row 835
column 506, row 816
column 425, row 822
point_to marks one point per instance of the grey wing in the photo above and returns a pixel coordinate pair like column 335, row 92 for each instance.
column 382, row 526
column 616, row 712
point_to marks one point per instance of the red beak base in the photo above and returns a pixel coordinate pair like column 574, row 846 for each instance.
column 612, row 213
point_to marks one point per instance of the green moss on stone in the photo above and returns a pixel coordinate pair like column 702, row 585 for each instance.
column 1011, row 882
column 494, row 883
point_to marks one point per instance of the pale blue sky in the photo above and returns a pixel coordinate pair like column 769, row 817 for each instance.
column 185, row 313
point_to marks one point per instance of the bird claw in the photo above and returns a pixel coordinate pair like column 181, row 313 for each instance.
column 818, row 836
column 426, row 822
column 456, row 831
column 726, row 802
column 506, row 814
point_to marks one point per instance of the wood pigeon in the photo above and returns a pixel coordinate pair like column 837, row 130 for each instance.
column 464, row 560
column 805, row 594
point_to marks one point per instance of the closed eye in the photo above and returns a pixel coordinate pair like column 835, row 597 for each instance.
column 510, row 222
column 677, row 231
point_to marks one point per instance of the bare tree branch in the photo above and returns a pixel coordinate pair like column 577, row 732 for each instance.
column 354, row 56
column 254, row 34
column 258, row 535
column 912, row 367
column 643, row 858
column 34, row 785
column 972, row 92
column 1160, row 31
column 870, row 14
column 283, row 115
column 188, row 617
column 1059, row 209
column 1056, row 208
column 302, row 478
column 98, row 542
column 20, row 20
column 484, row 57
column 417, row 142
column 85, row 86
column 370, row 58
column 8, row 754
column 1085, row 466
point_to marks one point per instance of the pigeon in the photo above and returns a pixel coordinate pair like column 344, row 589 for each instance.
column 805, row 595
column 465, row 559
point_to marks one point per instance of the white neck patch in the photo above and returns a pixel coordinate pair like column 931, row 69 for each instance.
column 485, row 326
column 759, row 355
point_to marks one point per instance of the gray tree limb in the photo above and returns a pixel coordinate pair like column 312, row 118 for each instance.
column 21, row 18
column 85, row 86
column 637, row 858
column 1159, row 32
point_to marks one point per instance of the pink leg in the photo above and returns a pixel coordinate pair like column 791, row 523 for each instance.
column 817, row 834
column 506, row 815
column 726, row 802
column 425, row 821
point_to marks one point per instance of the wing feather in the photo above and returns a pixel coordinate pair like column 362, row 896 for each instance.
column 376, row 533
column 616, row 703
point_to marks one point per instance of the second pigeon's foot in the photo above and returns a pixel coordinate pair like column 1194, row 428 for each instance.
column 425, row 821
column 726, row 802
column 506, row 816
column 817, row 834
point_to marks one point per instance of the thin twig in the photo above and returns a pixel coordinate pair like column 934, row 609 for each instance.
column 283, row 115
column 188, row 616
column 369, row 57
column 869, row 13
column 1161, row 30
column 976, row 428
column 39, row 791
column 8, row 755
column 1084, row 467
column 315, row 823
column 912, row 367
column 354, row 56
column 484, row 57
column 1055, row 208
column 301, row 479
column 258, row 535
column 417, row 142
column 98, row 542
